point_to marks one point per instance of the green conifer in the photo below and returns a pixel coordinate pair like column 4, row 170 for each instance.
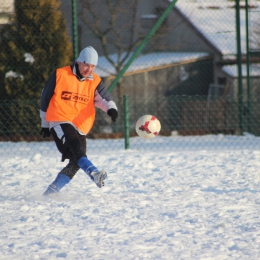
column 32, row 46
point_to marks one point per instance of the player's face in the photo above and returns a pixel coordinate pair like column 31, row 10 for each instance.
column 85, row 69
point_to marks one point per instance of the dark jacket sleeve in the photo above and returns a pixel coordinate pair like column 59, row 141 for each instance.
column 101, row 90
column 48, row 92
column 46, row 96
column 103, row 99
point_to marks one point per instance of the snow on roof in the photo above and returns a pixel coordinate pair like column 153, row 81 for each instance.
column 254, row 70
column 156, row 59
column 216, row 20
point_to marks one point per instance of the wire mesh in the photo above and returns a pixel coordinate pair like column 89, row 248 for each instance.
column 183, row 120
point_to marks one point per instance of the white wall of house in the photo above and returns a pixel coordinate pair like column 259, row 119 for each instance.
column 6, row 10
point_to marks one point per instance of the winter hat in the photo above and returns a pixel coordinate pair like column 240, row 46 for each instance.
column 88, row 55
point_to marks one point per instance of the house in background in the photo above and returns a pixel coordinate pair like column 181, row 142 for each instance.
column 192, row 27
column 6, row 11
column 216, row 22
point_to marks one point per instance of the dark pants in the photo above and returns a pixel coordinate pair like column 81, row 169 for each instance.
column 71, row 145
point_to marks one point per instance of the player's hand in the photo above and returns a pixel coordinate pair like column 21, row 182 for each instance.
column 45, row 132
column 113, row 114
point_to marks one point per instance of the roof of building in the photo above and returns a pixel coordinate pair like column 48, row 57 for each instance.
column 216, row 20
column 151, row 60
column 232, row 70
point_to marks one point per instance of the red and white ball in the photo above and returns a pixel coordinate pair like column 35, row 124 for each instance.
column 148, row 126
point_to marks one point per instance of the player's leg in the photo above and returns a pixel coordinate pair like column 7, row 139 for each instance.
column 68, row 172
column 63, row 177
column 77, row 145
column 72, row 146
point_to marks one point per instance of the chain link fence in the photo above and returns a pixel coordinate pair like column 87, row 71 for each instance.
column 187, row 74
column 184, row 120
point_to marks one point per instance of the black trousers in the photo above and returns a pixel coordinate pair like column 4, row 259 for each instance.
column 71, row 145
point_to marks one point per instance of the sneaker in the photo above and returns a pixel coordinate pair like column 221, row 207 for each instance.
column 52, row 189
column 98, row 178
column 60, row 181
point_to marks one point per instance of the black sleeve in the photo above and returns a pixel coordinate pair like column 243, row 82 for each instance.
column 48, row 92
column 103, row 92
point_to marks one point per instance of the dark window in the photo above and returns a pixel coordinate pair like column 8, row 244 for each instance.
column 222, row 81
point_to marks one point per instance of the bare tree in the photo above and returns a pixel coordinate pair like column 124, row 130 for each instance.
column 113, row 24
column 254, row 30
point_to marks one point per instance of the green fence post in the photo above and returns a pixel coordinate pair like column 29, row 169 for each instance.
column 248, row 73
column 74, row 29
column 239, row 67
column 142, row 45
column 126, row 122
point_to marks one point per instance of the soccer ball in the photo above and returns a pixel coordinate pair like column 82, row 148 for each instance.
column 148, row 126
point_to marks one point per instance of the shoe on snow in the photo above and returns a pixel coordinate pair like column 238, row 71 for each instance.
column 60, row 181
column 98, row 177
column 52, row 190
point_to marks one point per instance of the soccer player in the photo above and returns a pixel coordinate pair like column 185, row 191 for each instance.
column 67, row 112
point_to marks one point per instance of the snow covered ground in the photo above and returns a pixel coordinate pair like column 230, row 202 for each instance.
column 191, row 203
